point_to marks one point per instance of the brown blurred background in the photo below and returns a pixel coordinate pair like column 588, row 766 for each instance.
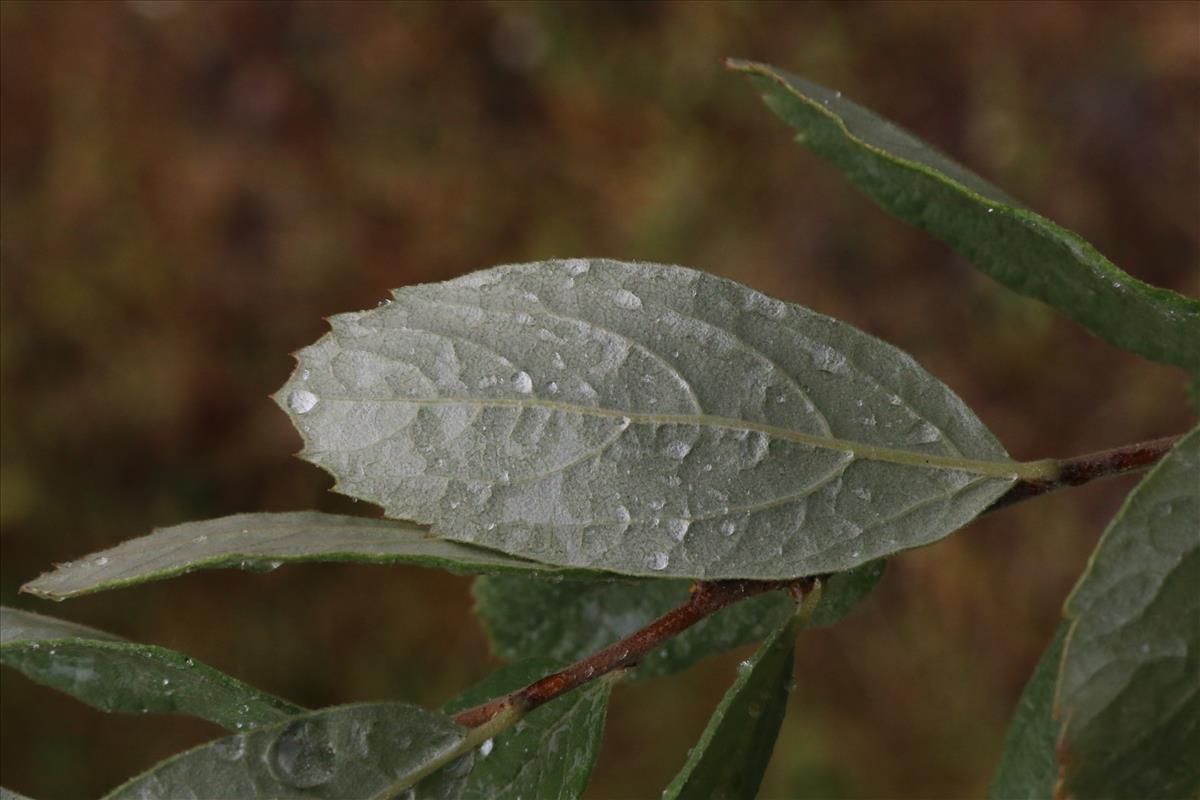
column 189, row 188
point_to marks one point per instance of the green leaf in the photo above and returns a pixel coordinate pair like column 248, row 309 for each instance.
column 114, row 675
column 641, row 419
column 1129, row 689
column 263, row 542
column 1027, row 768
column 729, row 760
column 570, row 619
column 343, row 753
column 551, row 751
column 1018, row 248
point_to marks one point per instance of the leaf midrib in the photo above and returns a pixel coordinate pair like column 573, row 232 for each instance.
column 997, row 469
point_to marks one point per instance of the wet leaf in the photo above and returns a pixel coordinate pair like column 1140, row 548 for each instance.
column 641, row 419
column 551, row 751
column 1018, row 248
column 571, row 619
column 343, row 753
column 115, row 675
column 265, row 541
column 1129, row 689
column 733, row 752
column 1027, row 768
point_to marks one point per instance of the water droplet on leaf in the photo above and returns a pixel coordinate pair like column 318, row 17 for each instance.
column 658, row 561
column 522, row 382
column 626, row 299
column 302, row 756
column 302, row 401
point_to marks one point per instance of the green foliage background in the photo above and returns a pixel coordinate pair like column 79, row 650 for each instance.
column 187, row 189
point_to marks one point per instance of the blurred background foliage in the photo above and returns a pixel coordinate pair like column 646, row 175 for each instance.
column 188, row 188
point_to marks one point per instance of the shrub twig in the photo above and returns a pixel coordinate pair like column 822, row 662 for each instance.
column 707, row 598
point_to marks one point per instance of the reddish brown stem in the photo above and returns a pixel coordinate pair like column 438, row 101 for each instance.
column 706, row 599
column 1084, row 469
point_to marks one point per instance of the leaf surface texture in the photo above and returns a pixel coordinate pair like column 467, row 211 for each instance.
column 357, row 751
column 1129, row 689
column 1027, row 767
column 733, row 752
column 640, row 419
column 115, row 675
column 1016, row 247
column 265, row 541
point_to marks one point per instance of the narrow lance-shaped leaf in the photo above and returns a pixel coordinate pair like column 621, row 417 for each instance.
column 1129, row 690
column 641, row 419
column 356, row 752
column 266, row 541
column 112, row 674
column 1027, row 768
column 570, row 619
column 550, row 752
column 1022, row 250
column 733, row 752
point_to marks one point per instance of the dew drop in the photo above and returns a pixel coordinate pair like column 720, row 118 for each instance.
column 485, row 749
column 678, row 450
column 101, row 561
column 626, row 299
column 166, row 681
column 990, row 210
column 678, row 528
column 728, row 527
column 894, row 399
column 658, row 561
column 657, row 503
column 622, row 514
column 552, row 387
column 743, row 666
column 302, row 401
column 827, row 359
column 926, row 433
column 863, row 493
column 199, row 539
column 522, row 382
column 302, row 756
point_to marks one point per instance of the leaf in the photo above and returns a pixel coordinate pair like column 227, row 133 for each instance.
column 114, row 675
column 641, row 419
column 729, row 760
column 551, row 751
column 263, row 542
column 9, row 794
column 1027, row 768
column 570, row 619
column 356, row 751
column 1129, row 689
column 1016, row 247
